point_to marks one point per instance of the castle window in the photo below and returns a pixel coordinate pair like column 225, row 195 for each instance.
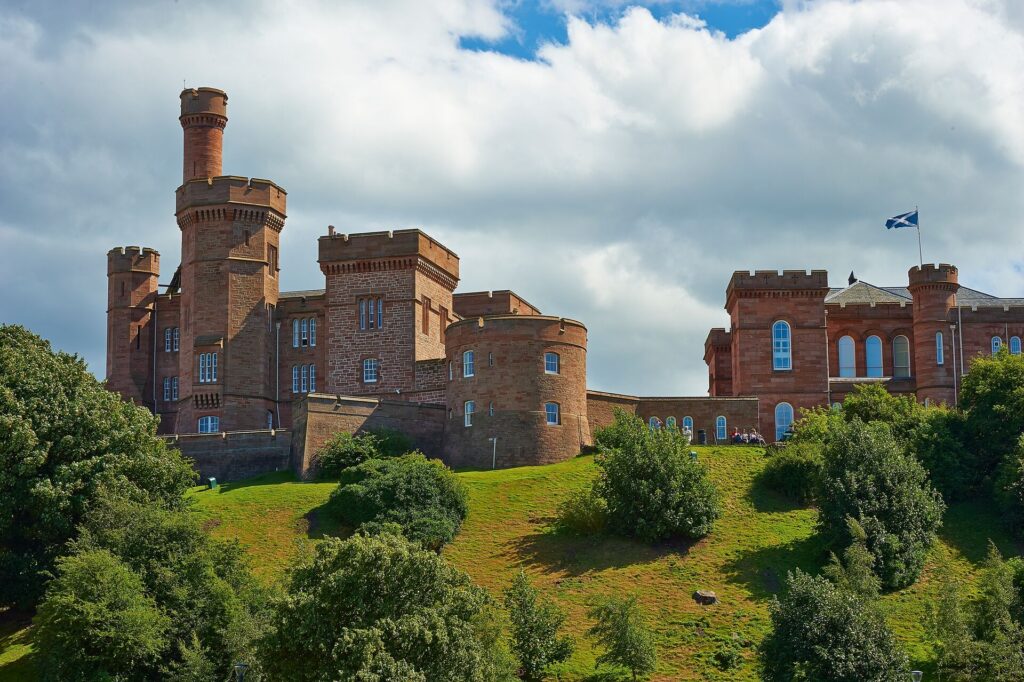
column 654, row 423
column 167, row 340
column 468, row 365
column 295, row 379
column 177, row 339
column 270, row 420
column 782, row 357
column 167, row 388
column 174, row 388
column 312, row 331
column 688, row 423
column 873, row 352
column 1015, row 345
column 373, row 313
column 670, row 422
column 451, row 373
column 940, row 356
column 312, row 378
column 997, row 343
column 362, row 313
column 783, row 419
column 721, row 433
column 272, row 259
column 552, row 414
column 304, row 327
column 209, row 424
column 304, row 369
column 490, row 359
column 370, row 370
column 380, row 313
column 490, row 409
column 900, row 357
column 207, row 368
column 295, row 333
column 467, row 413
column 426, row 315
column 847, row 357
column 551, row 363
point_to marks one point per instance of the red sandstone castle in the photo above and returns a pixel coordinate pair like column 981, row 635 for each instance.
column 482, row 378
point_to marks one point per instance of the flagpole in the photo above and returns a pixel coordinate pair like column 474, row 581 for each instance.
column 920, row 253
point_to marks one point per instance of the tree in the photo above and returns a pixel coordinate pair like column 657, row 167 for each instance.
column 871, row 403
column 422, row 496
column 63, row 439
column 992, row 397
column 855, row 573
column 1009, row 487
column 345, row 450
column 380, row 608
column 868, row 478
column 652, row 487
column 97, row 622
column 535, row 625
column 821, row 631
column 622, row 630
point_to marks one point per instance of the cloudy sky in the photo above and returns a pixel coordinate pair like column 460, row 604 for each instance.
column 609, row 161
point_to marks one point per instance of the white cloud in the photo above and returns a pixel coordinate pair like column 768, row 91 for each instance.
column 619, row 179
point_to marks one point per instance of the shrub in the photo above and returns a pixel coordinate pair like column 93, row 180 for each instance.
column 992, row 398
column 422, row 496
column 583, row 512
column 535, row 625
column 652, row 488
column 823, row 632
column 938, row 443
column 1010, row 487
column 380, row 608
column 872, row 403
column 868, row 478
column 793, row 469
column 343, row 451
column 622, row 630
column 391, row 443
column 64, row 439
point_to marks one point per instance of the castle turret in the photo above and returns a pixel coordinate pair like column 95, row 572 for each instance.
column 132, row 274
column 204, row 114
column 933, row 288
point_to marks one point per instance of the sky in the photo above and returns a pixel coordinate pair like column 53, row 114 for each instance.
column 611, row 162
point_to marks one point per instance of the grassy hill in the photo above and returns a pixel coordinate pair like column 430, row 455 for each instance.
column 759, row 539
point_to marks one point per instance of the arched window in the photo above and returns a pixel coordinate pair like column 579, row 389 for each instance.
column 782, row 357
column 305, row 332
column 295, row 333
column 940, row 352
column 688, row 423
column 468, row 365
column 720, row 429
column 1015, row 345
column 847, row 357
column 997, row 343
column 783, row 419
column 209, row 424
column 900, row 357
column 873, row 354
column 670, row 422
column 654, row 423
column 552, row 414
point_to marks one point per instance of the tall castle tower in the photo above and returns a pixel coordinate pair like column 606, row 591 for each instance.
column 132, row 273
column 230, row 236
column 933, row 288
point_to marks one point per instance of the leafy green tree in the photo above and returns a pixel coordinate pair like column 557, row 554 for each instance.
column 938, row 443
column 872, row 403
column 793, row 469
column 652, row 487
column 868, row 478
column 64, row 438
column 96, row 622
column 421, row 495
column 536, row 642
column 622, row 630
column 583, row 512
column 992, row 397
column 821, row 631
column 345, row 450
column 855, row 573
column 1009, row 487
column 380, row 608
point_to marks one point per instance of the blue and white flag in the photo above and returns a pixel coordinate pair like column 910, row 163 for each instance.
column 902, row 220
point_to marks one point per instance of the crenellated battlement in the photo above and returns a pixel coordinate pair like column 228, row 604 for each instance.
column 802, row 283
column 231, row 189
column 933, row 273
column 367, row 250
column 718, row 337
column 203, row 103
column 133, row 259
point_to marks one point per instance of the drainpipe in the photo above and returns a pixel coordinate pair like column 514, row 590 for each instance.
column 828, row 370
column 277, row 373
column 960, row 328
column 956, row 396
column 154, row 327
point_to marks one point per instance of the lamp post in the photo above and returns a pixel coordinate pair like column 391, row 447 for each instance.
column 916, row 675
column 240, row 670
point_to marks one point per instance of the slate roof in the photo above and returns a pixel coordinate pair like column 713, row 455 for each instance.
column 305, row 293
column 865, row 293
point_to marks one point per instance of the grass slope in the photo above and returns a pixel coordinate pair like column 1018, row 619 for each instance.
column 760, row 537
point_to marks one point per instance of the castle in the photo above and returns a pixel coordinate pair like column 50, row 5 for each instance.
column 246, row 377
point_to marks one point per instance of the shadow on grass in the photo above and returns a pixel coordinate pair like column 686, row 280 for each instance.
column 766, row 500
column 13, row 634
column 763, row 571
column 557, row 552
column 325, row 521
column 275, row 478
column 968, row 527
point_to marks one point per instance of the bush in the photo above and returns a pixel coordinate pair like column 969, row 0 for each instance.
column 823, row 632
column 535, row 625
column 621, row 629
column 64, row 439
column 872, row 403
column 391, row 443
column 652, row 488
column 345, row 450
column 938, row 443
column 380, row 608
column 583, row 512
column 992, row 398
column 96, row 622
column 868, row 478
column 422, row 496
column 793, row 469
column 1010, row 487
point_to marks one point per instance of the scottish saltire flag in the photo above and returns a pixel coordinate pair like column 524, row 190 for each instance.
column 903, row 220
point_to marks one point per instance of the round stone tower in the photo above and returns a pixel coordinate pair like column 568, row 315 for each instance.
column 204, row 114
column 933, row 288
column 524, row 378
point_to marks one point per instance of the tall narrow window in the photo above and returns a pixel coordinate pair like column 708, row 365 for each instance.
column 688, row 423
column 783, row 419
column 362, row 313
column 720, row 428
column 901, row 357
column 425, row 312
column 270, row 420
column 997, row 343
column 272, row 260
column 312, row 378
column 167, row 339
column 380, row 313
column 295, row 379
column 1015, row 345
column 490, row 409
column 551, row 363
column 304, row 326
column 373, row 314
column 467, row 412
column 295, row 333
column 451, row 373
column 468, row 365
column 782, row 357
column 873, row 354
column 167, row 388
column 305, row 378
column 202, row 368
column 552, row 414
column 490, row 359
column 847, row 357
column 312, row 331
column 443, row 315
column 174, row 388
column 177, row 339
column 670, row 422
column 940, row 353
column 213, row 367
column 370, row 370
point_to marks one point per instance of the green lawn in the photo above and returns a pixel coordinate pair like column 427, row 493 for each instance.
column 745, row 560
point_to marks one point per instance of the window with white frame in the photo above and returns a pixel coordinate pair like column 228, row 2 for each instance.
column 782, row 350
column 371, row 313
column 468, row 365
column 873, row 355
column 207, row 368
column 490, row 409
column 304, row 332
column 270, row 420
column 312, row 331
column 174, row 388
column 1015, row 345
column 380, row 313
column 552, row 363
column 312, row 378
column 295, row 379
column 783, row 419
column 371, row 368
column 847, row 357
column 901, row 357
column 940, row 352
column 997, row 343
column 688, row 423
column 177, row 339
column 304, row 374
column 295, row 333
column 654, row 423
column 209, row 424
column 451, row 372
column 167, row 389
column 721, row 432
column 552, row 414
column 362, row 313
column 467, row 413
column 167, row 339
column 670, row 422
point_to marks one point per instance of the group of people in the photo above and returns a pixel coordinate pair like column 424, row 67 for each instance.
column 751, row 437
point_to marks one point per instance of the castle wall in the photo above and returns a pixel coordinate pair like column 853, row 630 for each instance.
column 235, row 455
column 739, row 413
